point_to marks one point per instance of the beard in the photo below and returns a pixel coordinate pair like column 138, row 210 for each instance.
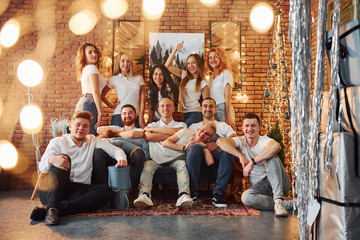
column 128, row 122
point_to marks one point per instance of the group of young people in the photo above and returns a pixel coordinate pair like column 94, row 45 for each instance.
column 77, row 162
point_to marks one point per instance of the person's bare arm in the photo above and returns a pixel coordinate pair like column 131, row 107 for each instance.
column 142, row 106
column 169, row 63
column 228, row 145
column 104, row 98
column 164, row 130
column 229, row 118
column 170, row 143
column 270, row 151
column 94, row 82
column 205, row 92
column 131, row 134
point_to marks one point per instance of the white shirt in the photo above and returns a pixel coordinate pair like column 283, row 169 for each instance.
column 127, row 90
column 81, row 157
column 259, row 171
column 85, row 79
column 217, row 86
column 156, row 148
column 189, row 97
column 222, row 128
column 163, row 154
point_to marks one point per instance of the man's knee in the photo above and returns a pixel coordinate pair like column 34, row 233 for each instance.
column 247, row 198
column 137, row 158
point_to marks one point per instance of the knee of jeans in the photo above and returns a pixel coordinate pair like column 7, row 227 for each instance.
column 194, row 148
column 137, row 157
column 245, row 197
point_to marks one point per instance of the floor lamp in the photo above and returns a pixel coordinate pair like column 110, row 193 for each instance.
column 30, row 74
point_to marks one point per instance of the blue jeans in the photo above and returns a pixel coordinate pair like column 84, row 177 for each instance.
column 129, row 144
column 87, row 103
column 275, row 185
column 195, row 160
column 150, row 168
column 220, row 114
column 192, row 117
column 116, row 120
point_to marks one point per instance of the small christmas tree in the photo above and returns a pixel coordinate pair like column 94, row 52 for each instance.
column 275, row 134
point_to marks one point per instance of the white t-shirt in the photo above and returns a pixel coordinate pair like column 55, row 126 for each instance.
column 222, row 129
column 189, row 97
column 127, row 90
column 258, row 172
column 163, row 154
column 85, row 79
column 156, row 148
column 217, row 86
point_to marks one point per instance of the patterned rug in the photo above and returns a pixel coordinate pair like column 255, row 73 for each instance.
column 167, row 207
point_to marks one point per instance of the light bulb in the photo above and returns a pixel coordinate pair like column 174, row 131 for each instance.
column 114, row 8
column 209, row 3
column 30, row 73
column 262, row 17
column 31, row 119
column 83, row 22
column 10, row 33
column 153, row 9
column 9, row 155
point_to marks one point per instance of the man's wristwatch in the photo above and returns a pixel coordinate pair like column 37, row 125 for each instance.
column 253, row 160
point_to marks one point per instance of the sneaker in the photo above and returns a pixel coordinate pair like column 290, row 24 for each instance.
column 195, row 199
column 218, row 200
column 291, row 205
column 280, row 210
column 143, row 201
column 184, row 202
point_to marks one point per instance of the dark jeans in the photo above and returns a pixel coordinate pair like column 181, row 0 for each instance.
column 195, row 160
column 102, row 160
column 192, row 117
column 57, row 191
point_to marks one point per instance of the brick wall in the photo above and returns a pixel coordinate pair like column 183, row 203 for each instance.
column 46, row 38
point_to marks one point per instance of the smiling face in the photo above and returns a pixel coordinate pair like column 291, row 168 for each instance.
column 192, row 66
column 166, row 108
column 251, row 128
column 214, row 60
column 79, row 128
column 158, row 77
column 128, row 116
column 91, row 55
column 205, row 133
column 208, row 107
column 124, row 64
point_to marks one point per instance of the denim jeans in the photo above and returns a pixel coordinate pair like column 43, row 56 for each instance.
column 195, row 160
column 274, row 186
column 220, row 114
column 116, row 120
column 192, row 117
column 150, row 168
column 87, row 103
column 129, row 144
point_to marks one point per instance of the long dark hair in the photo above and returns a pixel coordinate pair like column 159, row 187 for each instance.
column 153, row 89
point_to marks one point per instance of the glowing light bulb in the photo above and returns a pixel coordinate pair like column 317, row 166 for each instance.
column 9, row 155
column 242, row 97
column 262, row 17
column 153, row 9
column 114, row 8
column 31, row 119
column 83, row 22
column 209, row 3
column 10, row 33
column 30, row 73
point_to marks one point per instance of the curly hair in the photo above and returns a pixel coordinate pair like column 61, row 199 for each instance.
column 224, row 60
column 189, row 76
column 81, row 58
column 117, row 68
column 154, row 90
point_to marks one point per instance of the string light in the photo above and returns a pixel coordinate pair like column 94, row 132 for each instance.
column 114, row 8
column 209, row 3
column 10, row 33
column 9, row 155
column 261, row 17
column 30, row 73
column 83, row 22
column 31, row 119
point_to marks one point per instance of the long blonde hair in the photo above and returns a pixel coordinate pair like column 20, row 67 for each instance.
column 81, row 58
column 189, row 76
column 117, row 68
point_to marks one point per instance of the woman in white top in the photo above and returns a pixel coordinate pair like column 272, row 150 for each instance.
column 88, row 62
column 221, row 82
column 161, row 85
column 192, row 85
column 130, row 89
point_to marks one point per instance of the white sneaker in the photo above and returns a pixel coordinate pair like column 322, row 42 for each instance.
column 143, row 201
column 184, row 202
column 280, row 210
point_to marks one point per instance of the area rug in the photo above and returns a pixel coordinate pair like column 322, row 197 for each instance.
column 167, row 207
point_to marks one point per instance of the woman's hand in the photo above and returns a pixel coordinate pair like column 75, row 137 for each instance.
column 98, row 121
column 179, row 46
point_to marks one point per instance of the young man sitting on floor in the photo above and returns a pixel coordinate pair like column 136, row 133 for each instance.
column 156, row 133
column 68, row 161
column 258, row 157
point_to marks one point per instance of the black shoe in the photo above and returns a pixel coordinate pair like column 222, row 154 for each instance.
column 218, row 200
column 52, row 217
column 195, row 199
column 38, row 214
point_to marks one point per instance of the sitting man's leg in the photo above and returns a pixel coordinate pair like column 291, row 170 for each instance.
column 144, row 199
column 259, row 196
column 184, row 201
column 101, row 161
column 226, row 162
column 194, row 159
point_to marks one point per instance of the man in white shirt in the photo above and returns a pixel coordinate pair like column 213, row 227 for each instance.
column 156, row 133
column 130, row 139
column 224, row 161
column 258, row 157
column 68, row 160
